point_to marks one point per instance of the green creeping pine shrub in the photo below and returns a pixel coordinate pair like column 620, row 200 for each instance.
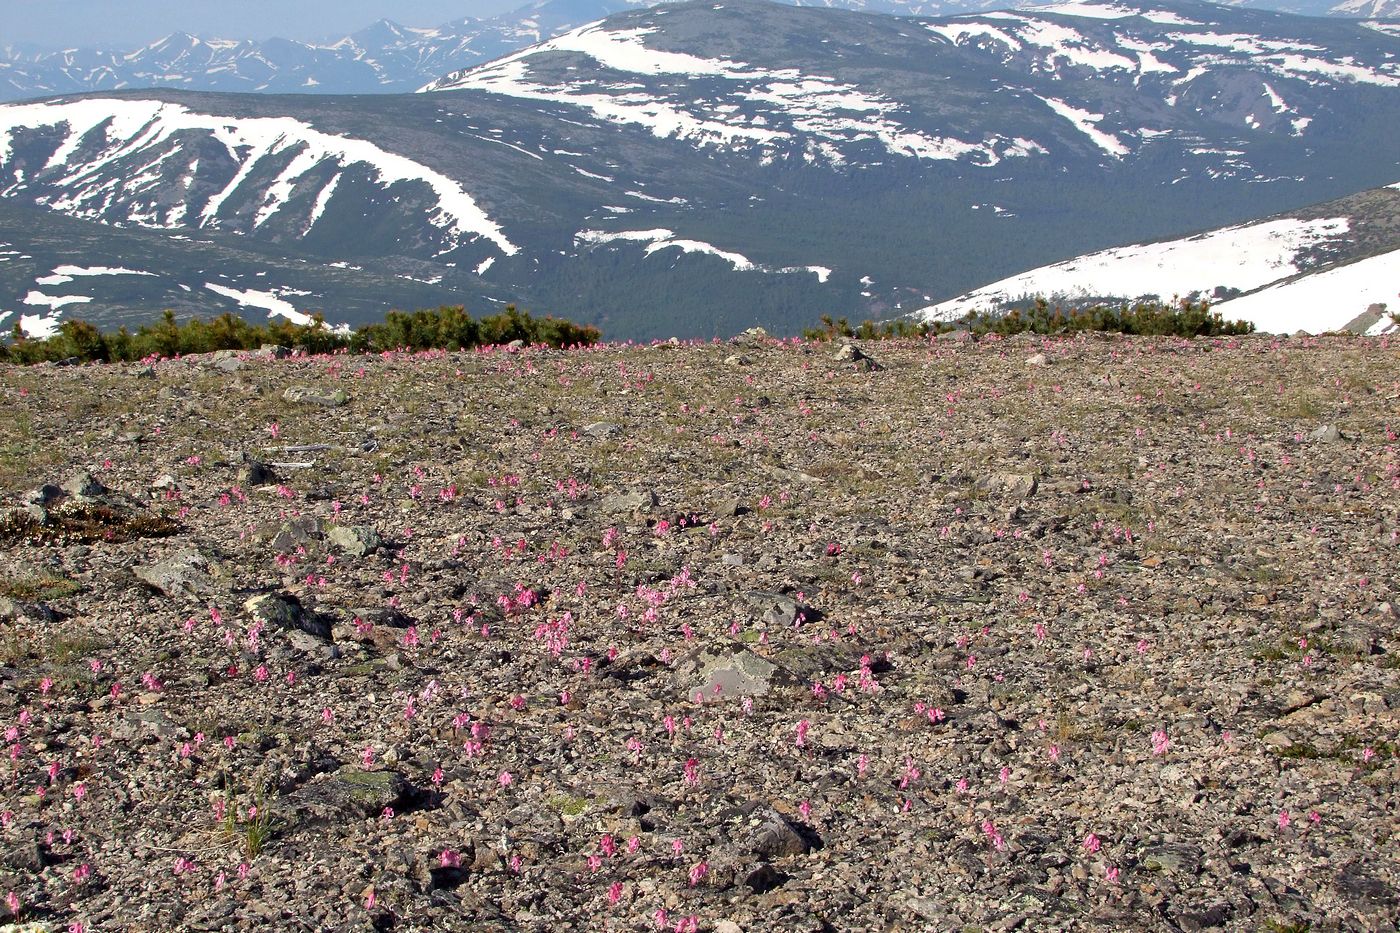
column 1146, row 318
column 445, row 328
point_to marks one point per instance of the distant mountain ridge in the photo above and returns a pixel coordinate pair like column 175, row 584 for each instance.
column 389, row 58
column 701, row 167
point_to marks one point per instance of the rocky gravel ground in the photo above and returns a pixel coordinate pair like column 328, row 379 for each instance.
column 974, row 635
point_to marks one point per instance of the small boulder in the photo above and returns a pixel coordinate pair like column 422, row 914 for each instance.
column 306, row 395
column 14, row 610
column 298, row 532
column 185, row 573
column 284, row 611
column 727, row 669
column 355, row 540
column 351, row 794
column 1326, row 434
column 255, row 473
column 772, row 836
column 602, row 429
column 850, row 353
column 85, row 486
column 1012, row 485
column 643, row 500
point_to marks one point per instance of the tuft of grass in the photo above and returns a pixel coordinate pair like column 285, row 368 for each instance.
column 1281, row 926
column 39, row 585
column 566, row 805
column 1299, row 750
column 249, row 834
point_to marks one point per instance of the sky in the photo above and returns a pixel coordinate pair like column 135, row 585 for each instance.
column 133, row 23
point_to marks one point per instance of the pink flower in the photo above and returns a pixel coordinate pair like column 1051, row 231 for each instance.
column 505, row 779
column 698, row 872
column 1092, row 842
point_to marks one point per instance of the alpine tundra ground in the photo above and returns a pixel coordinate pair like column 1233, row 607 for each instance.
column 1090, row 634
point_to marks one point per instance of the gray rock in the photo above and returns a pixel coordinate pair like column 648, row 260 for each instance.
column 30, row 856
column 762, row 878
column 776, row 609
column 381, row 616
column 850, row 353
column 85, row 486
column 229, row 364
column 355, row 540
column 298, row 532
column 774, row 836
column 1013, row 485
column 729, row 666
column 183, row 574
column 351, row 793
column 283, row 610
column 643, row 500
column 727, row 506
column 1038, row 359
column 43, row 496
column 255, row 473
column 14, row 610
column 1326, row 434
column 1175, row 857
column 602, row 429
column 306, row 395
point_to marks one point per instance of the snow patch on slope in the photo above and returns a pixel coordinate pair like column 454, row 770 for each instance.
column 54, row 301
column 1245, row 257
column 266, row 301
column 1322, row 301
column 1087, row 123
column 64, row 274
column 661, row 239
column 108, row 130
column 791, row 103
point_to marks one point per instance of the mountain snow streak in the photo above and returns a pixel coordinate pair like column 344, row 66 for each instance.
column 273, row 159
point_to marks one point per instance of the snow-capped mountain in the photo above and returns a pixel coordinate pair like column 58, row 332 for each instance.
column 702, row 167
column 1316, row 269
column 382, row 58
column 389, row 58
column 1120, row 79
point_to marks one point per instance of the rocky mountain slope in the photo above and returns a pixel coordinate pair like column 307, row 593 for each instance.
column 1315, row 269
column 1081, row 635
column 698, row 168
